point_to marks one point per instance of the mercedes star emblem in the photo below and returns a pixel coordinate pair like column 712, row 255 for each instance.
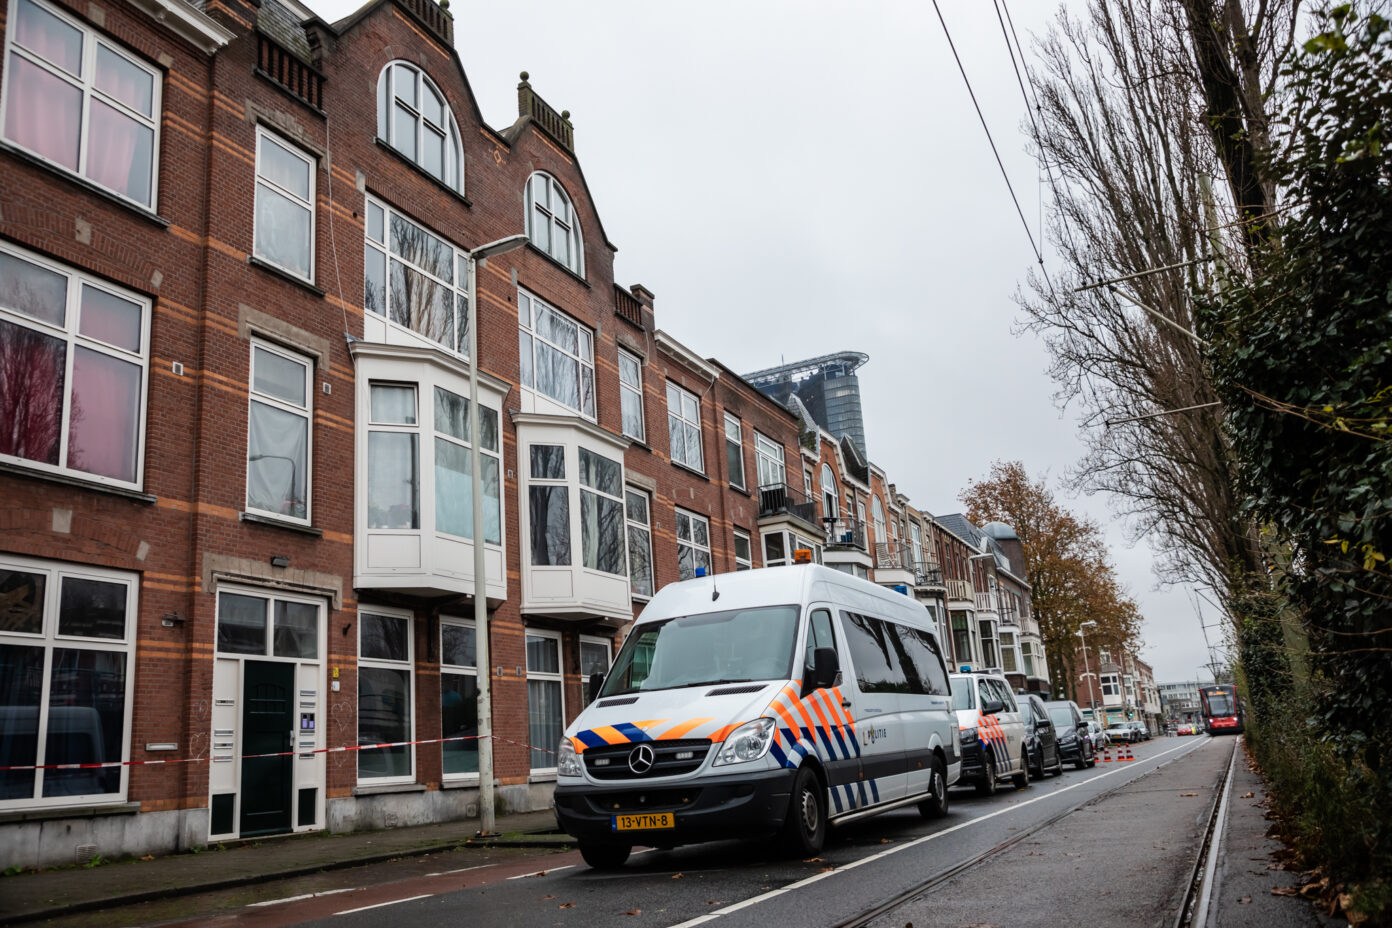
column 641, row 759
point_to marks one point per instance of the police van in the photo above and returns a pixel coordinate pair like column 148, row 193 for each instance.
column 765, row 702
column 991, row 731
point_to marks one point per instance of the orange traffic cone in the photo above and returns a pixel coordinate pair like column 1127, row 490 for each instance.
column 1106, row 755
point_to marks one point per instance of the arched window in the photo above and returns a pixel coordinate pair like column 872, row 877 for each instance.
column 414, row 119
column 551, row 222
column 828, row 493
column 878, row 515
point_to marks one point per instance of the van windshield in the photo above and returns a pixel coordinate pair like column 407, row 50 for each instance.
column 736, row 646
column 962, row 692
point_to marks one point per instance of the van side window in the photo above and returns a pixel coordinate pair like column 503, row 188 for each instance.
column 913, row 657
column 986, row 691
column 874, row 648
column 923, row 648
column 819, row 634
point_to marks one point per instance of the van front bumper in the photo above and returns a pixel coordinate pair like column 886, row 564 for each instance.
column 746, row 805
column 973, row 764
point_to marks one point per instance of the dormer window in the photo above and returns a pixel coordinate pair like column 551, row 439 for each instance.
column 414, row 119
column 551, row 222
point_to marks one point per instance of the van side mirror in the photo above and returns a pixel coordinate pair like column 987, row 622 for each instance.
column 826, row 667
column 992, row 706
column 592, row 689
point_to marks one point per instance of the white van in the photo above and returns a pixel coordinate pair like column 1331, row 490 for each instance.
column 762, row 702
column 991, row 731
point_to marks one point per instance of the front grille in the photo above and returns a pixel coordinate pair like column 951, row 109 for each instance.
column 644, row 800
column 610, row 762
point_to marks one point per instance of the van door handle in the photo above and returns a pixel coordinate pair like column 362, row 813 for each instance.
column 845, row 703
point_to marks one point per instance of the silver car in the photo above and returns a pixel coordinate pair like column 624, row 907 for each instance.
column 1098, row 735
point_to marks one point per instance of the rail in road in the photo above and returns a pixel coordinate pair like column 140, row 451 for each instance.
column 868, row 870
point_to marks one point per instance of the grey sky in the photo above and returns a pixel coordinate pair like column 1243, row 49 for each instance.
column 792, row 179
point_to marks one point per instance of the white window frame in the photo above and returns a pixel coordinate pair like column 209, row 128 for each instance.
column 380, row 249
column 877, row 513
column 264, row 135
column 408, row 428
column 461, row 670
column 734, row 436
column 527, row 313
column 830, row 501
column 305, row 412
column 409, row 665
column 69, row 332
column 271, row 597
column 632, row 525
column 768, row 455
column 85, row 82
column 608, row 662
column 747, row 561
column 693, row 518
column 1110, row 684
column 49, row 639
column 493, row 454
column 631, row 393
column 676, row 392
column 545, row 677
column 560, row 223
column 453, row 162
column 621, row 500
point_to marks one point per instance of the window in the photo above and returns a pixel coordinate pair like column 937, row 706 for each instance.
column 66, row 650
column 768, row 456
column 414, row 119
column 693, row 544
column 744, row 552
column 594, row 658
column 961, row 638
column 278, row 433
column 1104, row 656
column 459, row 696
column 828, row 493
column 548, row 498
column 631, row 395
column 877, row 513
column 640, row 568
column 819, row 635
column 734, row 446
column 385, row 697
column 780, row 548
column 684, row 427
column 551, row 222
column 79, row 102
column 267, row 626
column 601, row 513
column 393, row 450
column 989, row 655
column 807, row 483
column 414, row 279
column 557, row 355
column 73, row 359
column 454, row 486
column 876, row 653
column 284, row 205
column 545, row 698
column 1110, row 687
column 1009, row 662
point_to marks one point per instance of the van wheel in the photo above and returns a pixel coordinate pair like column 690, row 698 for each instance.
column 804, row 830
column 604, row 856
column 1021, row 779
column 935, row 806
column 986, row 786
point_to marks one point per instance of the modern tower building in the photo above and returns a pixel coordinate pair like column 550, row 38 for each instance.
column 827, row 386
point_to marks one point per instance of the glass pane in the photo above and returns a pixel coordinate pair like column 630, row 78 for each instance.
column 632, row 410
column 404, row 84
column 454, row 494
column 21, row 601
column 458, row 644
column 32, row 290
column 700, row 532
column 594, row 658
column 693, row 447
column 376, row 220
column 544, row 722
column 104, row 431
column 549, row 515
column 21, row 688
column 640, row 561
column 451, row 414
column 392, row 492
column 602, row 533
column 673, row 398
column 541, row 190
column 241, row 624
column 111, row 319
column 422, row 304
column 629, row 372
column 275, row 375
column 773, row 547
column 685, row 566
column 492, row 502
column 432, row 107
column 676, row 437
column 557, row 329
column 461, row 325
column 524, row 357
column 296, row 630
column 404, row 131
column 524, row 310
column 43, row 113
column 375, row 283
column 459, row 719
column 384, row 637
column 284, row 168
column 413, row 244
column 282, row 231
column 541, row 230
column 120, row 152
column 49, row 37
column 600, row 473
column 548, row 462
column 637, row 507
column 488, row 425
column 384, row 716
column 690, row 411
column 560, row 244
column 742, row 549
column 433, row 152
column 543, row 654
column 393, row 403
column 92, row 609
column 683, row 526
column 86, row 721
column 734, row 462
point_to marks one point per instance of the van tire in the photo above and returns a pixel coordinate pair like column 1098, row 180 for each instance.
column 1021, row 779
column 986, row 786
column 935, row 806
column 804, row 829
column 604, row 856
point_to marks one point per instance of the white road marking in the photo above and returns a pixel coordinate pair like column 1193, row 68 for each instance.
column 380, row 904
column 326, row 892
column 460, row 870
column 523, row 876
column 764, row 897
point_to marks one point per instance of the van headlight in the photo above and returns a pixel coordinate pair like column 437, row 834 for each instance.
column 966, row 736
column 750, row 741
column 567, row 761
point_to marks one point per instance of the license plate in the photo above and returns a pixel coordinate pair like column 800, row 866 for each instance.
column 645, row 821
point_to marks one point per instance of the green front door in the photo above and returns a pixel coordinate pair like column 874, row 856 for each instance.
column 268, row 708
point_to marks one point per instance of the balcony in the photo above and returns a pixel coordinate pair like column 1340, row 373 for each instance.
column 961, row 590
column 847, row 533
column 928, row 574
column 778, row 500
column 893, row 565
column 988, row 602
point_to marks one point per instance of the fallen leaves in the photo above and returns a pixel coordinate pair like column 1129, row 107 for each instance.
column 1187, row 795
column 815, row 860
column 676, row 876
column 566, row 905
column 634, row 912
column 1285, row 890
column 1246, row 796
column 1245, row 900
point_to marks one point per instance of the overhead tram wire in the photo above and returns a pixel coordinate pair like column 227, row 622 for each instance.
column 1039, row 256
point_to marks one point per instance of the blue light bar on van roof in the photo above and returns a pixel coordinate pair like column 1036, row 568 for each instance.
column 965, row 668
column 700, row 571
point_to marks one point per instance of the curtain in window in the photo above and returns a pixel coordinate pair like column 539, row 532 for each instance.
column 544, row 721
column 119, row 154
column 392, row 497
column 277, row 453
column 105, row 417
column 43, row 113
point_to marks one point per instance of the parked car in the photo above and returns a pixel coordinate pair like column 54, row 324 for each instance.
column 1098, row 736
column 990, row 731
column 1121, row 731
column 1142, row 732
column 1185, row 728
column 1074, row 737
column 1041, row 738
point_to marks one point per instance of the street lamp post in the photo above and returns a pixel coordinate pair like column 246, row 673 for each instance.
column 482, row 659
column 1087, row 672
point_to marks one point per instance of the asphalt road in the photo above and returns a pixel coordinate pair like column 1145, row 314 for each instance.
column 887, row 858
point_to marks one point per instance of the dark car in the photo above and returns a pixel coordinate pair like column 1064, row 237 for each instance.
column 1074, row 742
column 1041, row 743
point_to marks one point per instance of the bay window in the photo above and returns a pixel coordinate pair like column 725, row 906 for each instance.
column 278, row 433
column 693, row 544
column 414, row 281
column 454, row 490
column 601, row 513
column 74, row 356
column 556, row 355
column 393, row 452
column 385, row 696
column 548, row 498
column 684, row 427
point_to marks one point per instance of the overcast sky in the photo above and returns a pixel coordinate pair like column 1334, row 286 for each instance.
column 792, row 179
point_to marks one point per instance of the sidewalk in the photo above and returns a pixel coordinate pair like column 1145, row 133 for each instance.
column 31, row 896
